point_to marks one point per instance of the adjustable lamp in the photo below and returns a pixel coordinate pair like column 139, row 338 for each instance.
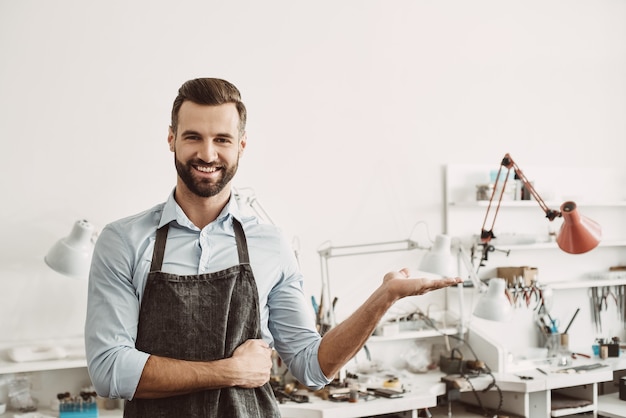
column 71, row 255
column 439, row 259
column 326, row 315
column 247, row 197
column 493, row 303
column 577, row 235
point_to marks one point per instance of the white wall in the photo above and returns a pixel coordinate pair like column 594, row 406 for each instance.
column 355, row 108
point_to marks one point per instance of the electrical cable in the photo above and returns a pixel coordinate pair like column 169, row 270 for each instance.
column 485, row 369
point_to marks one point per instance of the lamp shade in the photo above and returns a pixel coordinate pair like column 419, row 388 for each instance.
column 578, row 234
column 71, row 255
column 439, row 260
column 494, row 305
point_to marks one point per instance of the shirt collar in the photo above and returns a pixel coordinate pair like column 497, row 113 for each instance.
column 173, row 212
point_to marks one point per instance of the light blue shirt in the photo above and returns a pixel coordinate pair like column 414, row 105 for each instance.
column 120, row 267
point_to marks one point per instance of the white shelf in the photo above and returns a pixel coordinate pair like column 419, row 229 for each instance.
column 582, row 284
column 407, row 335
column 535, row 204
column 611, row 406
column 571, row 411
column 552, row 245
column 73, row 348
column 101, row 413
column 9, row 367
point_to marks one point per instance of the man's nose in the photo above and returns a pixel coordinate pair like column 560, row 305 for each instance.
column 208, row 152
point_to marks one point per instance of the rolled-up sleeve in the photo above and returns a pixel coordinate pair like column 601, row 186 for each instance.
column 114, row 364
column 296, row 343
column 292, row 325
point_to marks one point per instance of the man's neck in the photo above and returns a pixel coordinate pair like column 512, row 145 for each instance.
column 201, row 210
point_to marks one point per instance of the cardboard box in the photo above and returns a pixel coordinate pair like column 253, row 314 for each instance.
column 511, row 274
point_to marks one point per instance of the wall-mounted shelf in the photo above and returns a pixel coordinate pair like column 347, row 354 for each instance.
column 414, row 335
column 553, row 246
column 533, row 204
column 117, row 413
column 10, row 367
column 584, row 284
column 72, row 350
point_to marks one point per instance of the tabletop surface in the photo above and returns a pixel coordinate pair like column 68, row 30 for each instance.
column 611, row 406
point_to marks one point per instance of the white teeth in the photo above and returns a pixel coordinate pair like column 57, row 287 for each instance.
column 206, row 169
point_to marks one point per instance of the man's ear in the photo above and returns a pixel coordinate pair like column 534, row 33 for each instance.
column 242, row 143
column 171, row 138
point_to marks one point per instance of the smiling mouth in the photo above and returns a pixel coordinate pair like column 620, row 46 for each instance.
column 206, row 169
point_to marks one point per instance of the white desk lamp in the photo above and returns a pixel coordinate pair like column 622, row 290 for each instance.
column 493, row 304
column 71, row 255
column 326, row 315
column 439, row 259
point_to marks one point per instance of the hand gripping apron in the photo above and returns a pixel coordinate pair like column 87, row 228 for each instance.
column 201, row 317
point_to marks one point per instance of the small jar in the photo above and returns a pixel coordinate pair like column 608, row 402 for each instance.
column 484, row 191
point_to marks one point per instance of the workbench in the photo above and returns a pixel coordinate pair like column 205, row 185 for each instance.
column 531, row 395
column 422, row 394
column 611, row 406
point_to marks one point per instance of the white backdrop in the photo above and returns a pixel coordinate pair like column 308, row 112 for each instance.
column 354, row 109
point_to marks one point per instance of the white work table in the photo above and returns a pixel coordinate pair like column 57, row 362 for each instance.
column 611, row 406
column 555, row 379
column 523, row 397
column 534, row 397
column 318, row 408
column 422, row 393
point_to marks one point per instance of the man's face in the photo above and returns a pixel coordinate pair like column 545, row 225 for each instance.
column 206, row 147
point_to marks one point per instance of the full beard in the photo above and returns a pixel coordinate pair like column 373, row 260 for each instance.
column 204, row 187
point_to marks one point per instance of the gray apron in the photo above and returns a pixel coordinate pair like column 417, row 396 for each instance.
column 201, row 318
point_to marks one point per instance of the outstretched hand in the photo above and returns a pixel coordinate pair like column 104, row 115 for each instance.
column 401, row 284
column 341, row 343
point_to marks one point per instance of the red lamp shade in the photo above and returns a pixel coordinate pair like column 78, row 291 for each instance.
column 578, row 234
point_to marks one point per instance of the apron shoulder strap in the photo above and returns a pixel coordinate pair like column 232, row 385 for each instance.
column 159, row 248
column 242, row 245
column 161, row 240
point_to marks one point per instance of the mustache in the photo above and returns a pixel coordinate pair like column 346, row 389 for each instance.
column 201, row 162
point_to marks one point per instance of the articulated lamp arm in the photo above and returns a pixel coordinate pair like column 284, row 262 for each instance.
column 509, row 164
column 577, row 235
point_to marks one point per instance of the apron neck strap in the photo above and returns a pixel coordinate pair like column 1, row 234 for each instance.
column 161, row 239
column 159, row 248
column 242, row 245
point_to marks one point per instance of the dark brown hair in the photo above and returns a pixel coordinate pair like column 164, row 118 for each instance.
column 209, row 91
